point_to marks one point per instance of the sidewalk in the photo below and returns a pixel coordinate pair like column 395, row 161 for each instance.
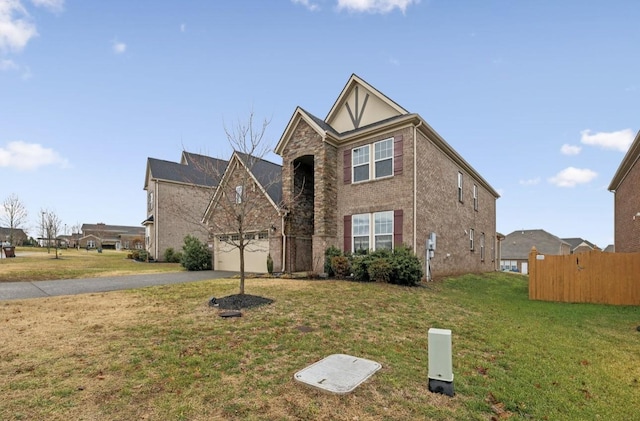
column 40, row 289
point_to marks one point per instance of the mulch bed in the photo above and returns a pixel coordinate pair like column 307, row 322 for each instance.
column 239, row 301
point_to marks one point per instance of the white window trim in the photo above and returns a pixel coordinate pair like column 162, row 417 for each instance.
column 471, row 244
column 460, row 183
column 372, row 161
column 475, row 197
column 482, row 246
column 238, row 194
column 372, row 229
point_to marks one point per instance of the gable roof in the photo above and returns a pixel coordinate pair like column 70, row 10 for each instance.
column 576, row 242
column 629, row 160
column 267, row 175
column 390, row 115
column 195, row 169
column 518, row 244
column 113, row 230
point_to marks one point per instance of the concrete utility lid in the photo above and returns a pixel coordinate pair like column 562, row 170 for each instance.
column 337, row 373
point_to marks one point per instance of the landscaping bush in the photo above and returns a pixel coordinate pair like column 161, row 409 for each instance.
column 329, row 254
column 269, row 264
column 407, row 268
column 340, row 266
column 195, row 255
column 171, row 256
column 380, row 270
column 360, row 266
column 140, row 255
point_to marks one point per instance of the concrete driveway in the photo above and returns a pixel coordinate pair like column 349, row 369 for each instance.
column 40, row 289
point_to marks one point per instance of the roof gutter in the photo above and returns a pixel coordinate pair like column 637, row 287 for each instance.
column 415, row 184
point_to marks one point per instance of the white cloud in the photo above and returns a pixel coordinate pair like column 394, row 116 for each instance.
column 7, row 65
column 375, row 6
column 530, row 182
column 620, row 140
column 16, row 27
column 567, row 149
column 28, row 156
column 52, row 5
column 308, row 4
column 571, row 176
column 119, row 47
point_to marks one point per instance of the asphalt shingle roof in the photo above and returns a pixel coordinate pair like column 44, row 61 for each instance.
column 518, row 244
column 199, row 170
column 268, row 174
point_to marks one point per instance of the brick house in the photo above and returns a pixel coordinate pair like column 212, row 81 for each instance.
column 373, row 175
column 625, row 186
column 250, row 191
column 580, row 245
column 115, row 237
column 517, row 245
column 18, row 235
column 177, row 194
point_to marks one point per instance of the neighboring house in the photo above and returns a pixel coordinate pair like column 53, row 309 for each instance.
column 250, row 188
column 517, row 245
column 625, row 186
column 372, row 175
column 609, row 249
column 579, row 245
column 19, row 236
column 115, row 237
column 177, row 195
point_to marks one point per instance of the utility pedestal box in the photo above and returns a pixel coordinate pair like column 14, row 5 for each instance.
column 440, row 362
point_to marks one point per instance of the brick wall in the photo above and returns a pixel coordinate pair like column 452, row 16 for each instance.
column 627, row 205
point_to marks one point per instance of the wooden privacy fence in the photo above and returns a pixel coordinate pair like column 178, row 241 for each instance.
column 591, row 277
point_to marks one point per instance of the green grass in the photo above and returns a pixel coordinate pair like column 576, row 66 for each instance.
column 164, row 354
column 36, row 264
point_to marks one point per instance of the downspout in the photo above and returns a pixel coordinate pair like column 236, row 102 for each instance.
column 284, row 243
column 415, row 185
column 155, row 222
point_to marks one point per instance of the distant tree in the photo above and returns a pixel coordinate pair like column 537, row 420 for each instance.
column 51, row 229
column 14, row 215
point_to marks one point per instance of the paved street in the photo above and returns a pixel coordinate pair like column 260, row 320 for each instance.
column 39, row 289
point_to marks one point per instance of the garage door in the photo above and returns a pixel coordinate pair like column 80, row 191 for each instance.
column 227, row 256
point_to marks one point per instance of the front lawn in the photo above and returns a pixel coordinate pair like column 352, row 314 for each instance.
column 36, row 264
column 162, row 353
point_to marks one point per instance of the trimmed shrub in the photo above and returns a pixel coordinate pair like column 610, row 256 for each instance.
column 195, row 255
column 407, row 268
column 340, row 266
column 329, row 254
column 269, row 264
column 380, row 270
column 360, row 266
column 171, row 256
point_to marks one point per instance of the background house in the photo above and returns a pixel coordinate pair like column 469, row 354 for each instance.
column 249, row 191
column 114, row 237
column 373, row 175
column 177, row 196
column 625, row 186
column 580, row 245
column 19, row 236
column 517, row 245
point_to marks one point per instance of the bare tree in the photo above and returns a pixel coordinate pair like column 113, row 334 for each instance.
column 240, row 208
column 14, row 215
column 51, row 228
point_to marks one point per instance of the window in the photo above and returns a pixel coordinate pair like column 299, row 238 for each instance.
column 238, row 194
column 223, row 238
column 91, row 244
column 475, row 197
column 383, row 230
column 383, row 158
column 361, row 164
column 263, row 235
column 150, row 204
column 235, row 237
column 249, row 236
column 459, row 186
column 382, row 161
column 360, row 232
column 381, row 237
column 471, row 239
column 482, row 247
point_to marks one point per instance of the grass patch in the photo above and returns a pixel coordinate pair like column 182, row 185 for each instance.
column 35, row 264
column 162, row 353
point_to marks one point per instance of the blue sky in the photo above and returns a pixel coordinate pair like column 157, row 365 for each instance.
column 541, row 97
